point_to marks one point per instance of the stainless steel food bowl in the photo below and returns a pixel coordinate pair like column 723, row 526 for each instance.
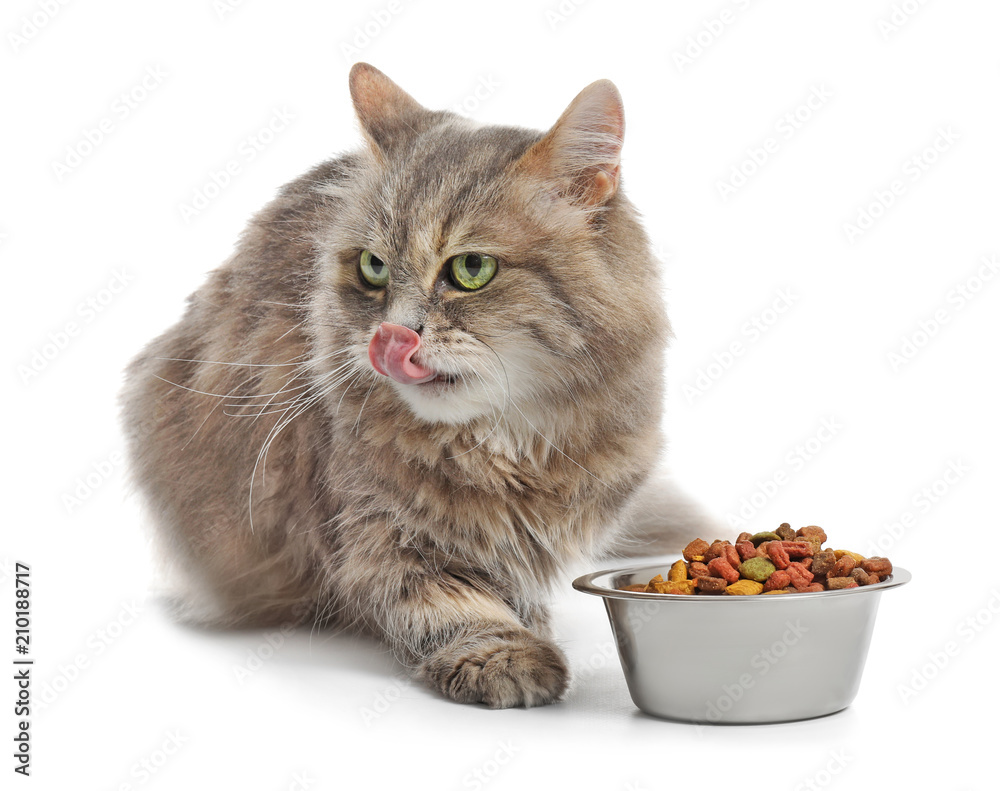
column 739, row 659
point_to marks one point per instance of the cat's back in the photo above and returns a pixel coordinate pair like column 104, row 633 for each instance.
column 209, row 391
column 262, row 282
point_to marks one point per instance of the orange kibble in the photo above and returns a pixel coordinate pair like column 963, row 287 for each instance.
column 678, row 572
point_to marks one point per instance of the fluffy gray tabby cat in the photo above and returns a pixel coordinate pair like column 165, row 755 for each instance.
column 429, row 377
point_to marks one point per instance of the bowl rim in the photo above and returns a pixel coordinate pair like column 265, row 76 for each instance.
column 587, row 584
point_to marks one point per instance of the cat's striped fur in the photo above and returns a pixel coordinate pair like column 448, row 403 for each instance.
column 294, row 481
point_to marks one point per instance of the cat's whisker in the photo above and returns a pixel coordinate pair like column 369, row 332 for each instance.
column 298, row 360
column 288, row 331
column 322, row 386
column 504, row 383
column 230, row 393
column 330, row 374
column 301, row 403
column 284, row 391
column 496, row 424
column 221, row 395
column 276, row 429
column 199, row 392
column 554, row 446
column 223, row 362
column 350, row 384
column 535, row 428
column 212, row 412
column 357, row 423
column 479, row 332
column 255, row 415
column 493, row 406
column 597, row 368
column 299, row 306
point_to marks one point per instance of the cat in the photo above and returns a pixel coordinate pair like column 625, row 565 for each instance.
column 429, row 379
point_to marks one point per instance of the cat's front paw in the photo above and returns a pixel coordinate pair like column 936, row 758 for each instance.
column 501, row 668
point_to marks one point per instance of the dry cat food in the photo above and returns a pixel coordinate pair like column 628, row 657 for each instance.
column 783, row 561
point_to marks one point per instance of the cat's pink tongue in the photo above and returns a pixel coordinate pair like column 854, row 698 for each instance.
column 391, row 353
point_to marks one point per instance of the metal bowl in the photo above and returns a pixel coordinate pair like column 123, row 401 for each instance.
column 739, row 659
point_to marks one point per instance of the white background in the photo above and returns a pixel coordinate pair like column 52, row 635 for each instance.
column 328, row 711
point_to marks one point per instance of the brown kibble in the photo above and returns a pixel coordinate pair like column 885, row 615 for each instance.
column 746, row 550
column 823, row 562
column 785, row 532
column 716, row 550
column 877, row 565
column 651, row 587
column 694, row 549
column 840, row 583
column 843, row 567
column 812, row 533
column 710, row 584
column 698, row 569
column 731, row 555
column 860, row 576
column 744, row 536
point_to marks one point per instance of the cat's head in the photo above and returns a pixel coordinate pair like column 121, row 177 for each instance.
column 478, row 270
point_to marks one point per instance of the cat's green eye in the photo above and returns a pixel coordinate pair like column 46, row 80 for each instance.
column 472, row 270
column 373, row 269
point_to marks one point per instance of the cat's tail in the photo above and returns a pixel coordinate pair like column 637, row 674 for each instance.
column 662, row 519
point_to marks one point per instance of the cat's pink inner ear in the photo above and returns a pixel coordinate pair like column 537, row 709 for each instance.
column 582, row 151
column 384, row 109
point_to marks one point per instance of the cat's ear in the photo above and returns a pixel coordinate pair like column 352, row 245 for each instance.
column 387, row 112
column 582, row 152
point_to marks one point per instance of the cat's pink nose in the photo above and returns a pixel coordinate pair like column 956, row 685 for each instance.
column 391, row 353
